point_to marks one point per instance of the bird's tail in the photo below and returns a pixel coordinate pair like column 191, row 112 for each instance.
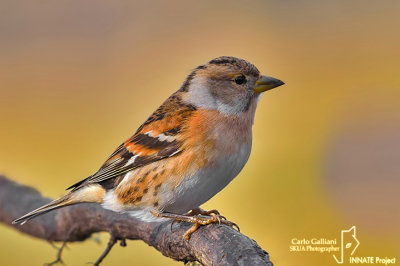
column 93, row 193
column 55, row 204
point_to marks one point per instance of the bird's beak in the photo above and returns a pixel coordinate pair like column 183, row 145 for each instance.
column 265, row 83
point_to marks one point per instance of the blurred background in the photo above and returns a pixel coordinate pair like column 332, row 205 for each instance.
column 78, row 77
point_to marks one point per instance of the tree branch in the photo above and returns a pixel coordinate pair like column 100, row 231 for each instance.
column 210, row 245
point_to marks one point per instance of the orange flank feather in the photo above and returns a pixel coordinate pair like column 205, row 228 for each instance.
column 139, row 186
column 140, row 149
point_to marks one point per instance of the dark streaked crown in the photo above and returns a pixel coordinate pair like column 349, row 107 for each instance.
column 236, row 63
column 229, row 62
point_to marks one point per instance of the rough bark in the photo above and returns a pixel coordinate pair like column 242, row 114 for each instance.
column 211, row 245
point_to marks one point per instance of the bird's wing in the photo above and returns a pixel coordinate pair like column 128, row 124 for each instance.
column 139, row 150
column 156, row 139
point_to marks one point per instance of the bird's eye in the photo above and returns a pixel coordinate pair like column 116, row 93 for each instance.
column 240, row 80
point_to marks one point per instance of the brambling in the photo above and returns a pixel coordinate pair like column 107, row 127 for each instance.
column 188, row 150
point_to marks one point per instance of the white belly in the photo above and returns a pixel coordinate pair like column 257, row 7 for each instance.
column 198, row 189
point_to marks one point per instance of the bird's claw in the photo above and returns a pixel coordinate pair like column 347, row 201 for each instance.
column 199, row 220
column 197, row 217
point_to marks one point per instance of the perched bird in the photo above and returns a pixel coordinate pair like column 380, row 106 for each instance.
column 188, row 150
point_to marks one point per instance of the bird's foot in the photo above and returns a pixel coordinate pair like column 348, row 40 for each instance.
column 197, row 217
column 201, row 220
column 200, row 211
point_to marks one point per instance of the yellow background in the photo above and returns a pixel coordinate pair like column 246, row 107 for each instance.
column 78, row 77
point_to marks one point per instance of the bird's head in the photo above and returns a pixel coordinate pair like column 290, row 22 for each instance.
column 227, row 84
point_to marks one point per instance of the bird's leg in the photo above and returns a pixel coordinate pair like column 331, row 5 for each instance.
column 200, row 211
column 195, row 220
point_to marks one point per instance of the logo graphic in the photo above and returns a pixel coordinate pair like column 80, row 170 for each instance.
column 347, row 247
column 348, row 237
